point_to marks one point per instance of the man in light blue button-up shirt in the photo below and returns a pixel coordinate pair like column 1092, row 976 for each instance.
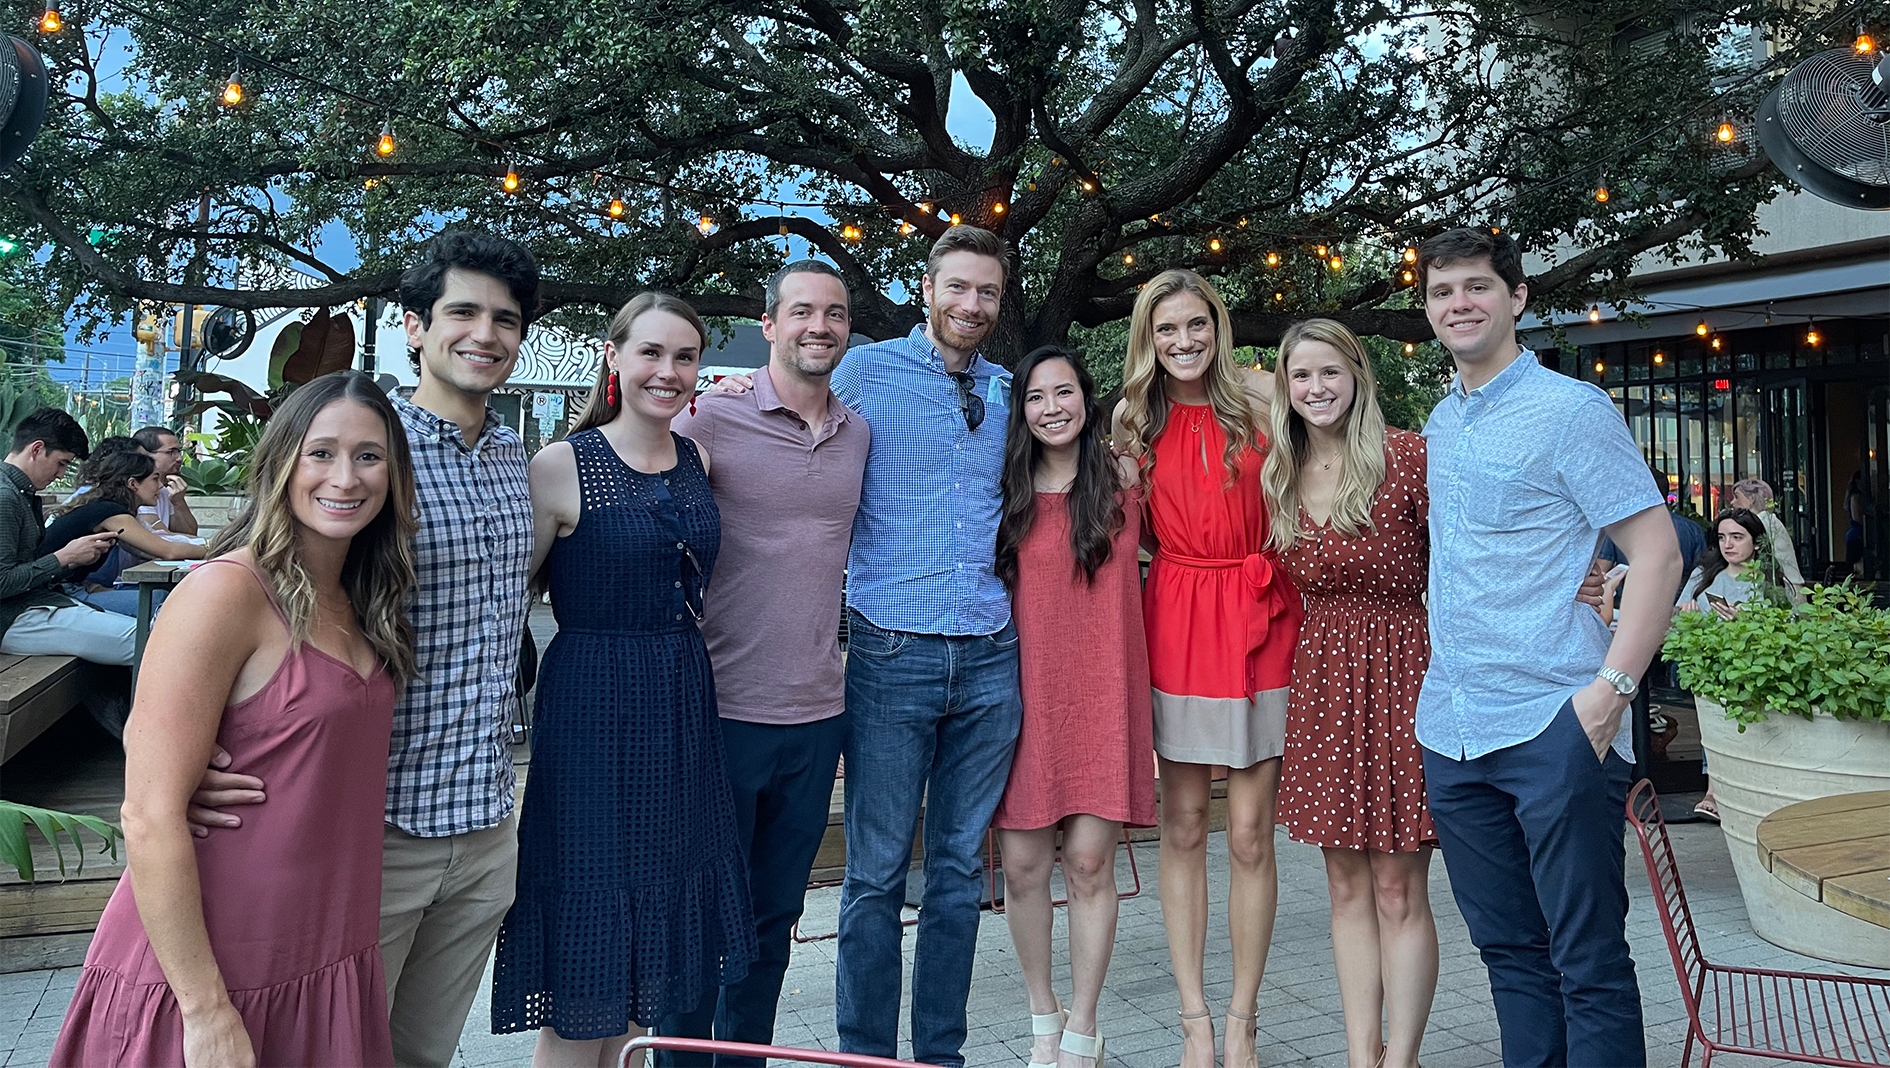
column 1526, row 749
column 931, row 653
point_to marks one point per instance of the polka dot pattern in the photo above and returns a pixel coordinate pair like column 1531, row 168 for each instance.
column 1353, row 776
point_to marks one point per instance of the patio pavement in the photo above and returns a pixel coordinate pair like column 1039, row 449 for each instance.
column 1300, row 1019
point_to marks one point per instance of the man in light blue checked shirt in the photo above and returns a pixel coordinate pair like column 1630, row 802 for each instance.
column 1526, row 750
column 931, row 655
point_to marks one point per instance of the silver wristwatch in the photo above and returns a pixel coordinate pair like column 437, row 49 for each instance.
column 1622, row 682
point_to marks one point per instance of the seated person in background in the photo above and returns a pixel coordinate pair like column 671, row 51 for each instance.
column 170, row 514
column 1719, row 585
column 1755, row 496
column 117, row 484
column 1692, row 542
column 36, row 616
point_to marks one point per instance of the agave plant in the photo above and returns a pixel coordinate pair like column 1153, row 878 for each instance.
column 17, row 851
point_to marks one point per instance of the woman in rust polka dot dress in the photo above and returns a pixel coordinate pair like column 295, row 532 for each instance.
column 1348, row 508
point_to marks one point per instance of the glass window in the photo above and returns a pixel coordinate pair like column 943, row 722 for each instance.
column 1693, row 470
column 1688, row 365
column 1663, row 361
column 1637, row 362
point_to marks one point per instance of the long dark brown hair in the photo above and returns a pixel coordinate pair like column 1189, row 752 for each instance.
column 105, row 475
column 1095, row 509
column 1714, row 561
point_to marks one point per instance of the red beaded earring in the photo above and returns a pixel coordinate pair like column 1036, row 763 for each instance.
column 610, row 390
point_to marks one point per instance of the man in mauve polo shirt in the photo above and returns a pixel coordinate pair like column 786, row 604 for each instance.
column 789, row 462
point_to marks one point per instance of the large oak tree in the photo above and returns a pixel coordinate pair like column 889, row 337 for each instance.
column 1128, row 136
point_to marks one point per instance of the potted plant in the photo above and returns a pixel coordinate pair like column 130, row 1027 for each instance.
column 1794, row 703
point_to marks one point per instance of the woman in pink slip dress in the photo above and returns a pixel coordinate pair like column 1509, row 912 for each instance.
column 260, row 944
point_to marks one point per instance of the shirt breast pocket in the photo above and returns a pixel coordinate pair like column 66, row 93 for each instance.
column 1498, row 498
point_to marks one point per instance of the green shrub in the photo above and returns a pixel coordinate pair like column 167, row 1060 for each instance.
column 1831, row 654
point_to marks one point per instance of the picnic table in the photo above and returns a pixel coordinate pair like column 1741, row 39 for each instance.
column 151, row 576
column 1835, row 850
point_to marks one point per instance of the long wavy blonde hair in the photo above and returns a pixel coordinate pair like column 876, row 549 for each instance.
column 1145, row 411
column 379, row 571
column 1361, row 461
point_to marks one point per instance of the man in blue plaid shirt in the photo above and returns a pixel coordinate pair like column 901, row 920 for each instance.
column 450, row 856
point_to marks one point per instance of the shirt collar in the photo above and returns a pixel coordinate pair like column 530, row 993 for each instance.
column 1517, row 370
column 767, row 400
column 929, row 354
column 442, row 429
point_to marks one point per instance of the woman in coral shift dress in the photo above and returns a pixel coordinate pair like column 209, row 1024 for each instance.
column 1349, row 510
column 261, row 944
column 1222, row 621
column 1066, row 548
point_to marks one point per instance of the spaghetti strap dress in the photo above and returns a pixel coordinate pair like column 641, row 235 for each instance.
column 1222, row 618
column 291, row 899
column 1083, row 672
column 1354, row 776
column 632, row 888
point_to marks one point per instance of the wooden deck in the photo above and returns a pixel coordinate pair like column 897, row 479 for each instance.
column 74, row 767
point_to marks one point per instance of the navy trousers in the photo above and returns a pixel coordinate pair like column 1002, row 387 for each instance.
column 1533, row 839
column 782, row 778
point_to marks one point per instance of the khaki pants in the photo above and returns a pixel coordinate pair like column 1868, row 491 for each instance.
column 442, row 900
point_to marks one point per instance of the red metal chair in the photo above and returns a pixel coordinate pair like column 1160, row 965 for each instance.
column 1796, row 1016
column 746, row 1049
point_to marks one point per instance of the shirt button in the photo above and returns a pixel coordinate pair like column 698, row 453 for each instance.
column 679, row 545
column 679, row 617
column 666, row 482
column 679, row 584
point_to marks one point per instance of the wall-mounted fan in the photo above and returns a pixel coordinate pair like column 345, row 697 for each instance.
column 1827, row 126
column 23, row 88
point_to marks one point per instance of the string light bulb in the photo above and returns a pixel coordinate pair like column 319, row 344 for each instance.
column 1089, row 186
column 50, row 22
column 1659, row 358
column 1601, row 193
column 1863, row 45
column 385, row 146
column 954, row 218
column 1410, row 254
column 510, row 182
column 1321, row 250
column 1335, row 262
column 1278, row 296
column 925, row 207
column 998, row 208
column 706, row 225
column 1128, row 259
column 233, row 91
column 850, row 232
column 1598, row 366
column 1701, row 328
column 1407, row 276
column 1242, row 223
column 616, row 207
column 1726, row 133
column 1273, row 259
column 906, row 227
column 1594, row 313
column 1409, row 348
column 1214, row 244
column 1812, row 337
column 1716, row 344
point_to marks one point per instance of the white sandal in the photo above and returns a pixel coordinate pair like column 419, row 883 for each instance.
column 1090, row 1046
column 1049, row 1023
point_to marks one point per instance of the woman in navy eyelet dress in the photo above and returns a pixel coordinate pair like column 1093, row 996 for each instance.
column 632, row 891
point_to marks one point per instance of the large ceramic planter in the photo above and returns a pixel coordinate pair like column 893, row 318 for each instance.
column 1775, row 763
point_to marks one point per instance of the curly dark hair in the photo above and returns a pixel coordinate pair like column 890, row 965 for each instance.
column 106, row 473
column 502, row 258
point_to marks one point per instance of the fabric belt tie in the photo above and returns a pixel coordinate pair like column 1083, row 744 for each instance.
column 1268, row 602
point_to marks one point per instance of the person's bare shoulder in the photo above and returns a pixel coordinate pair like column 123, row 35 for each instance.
column 222, row 604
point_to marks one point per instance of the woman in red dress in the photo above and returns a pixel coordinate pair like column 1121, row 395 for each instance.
column 1066, row 548
column 1222, row 621
column 1347, row 511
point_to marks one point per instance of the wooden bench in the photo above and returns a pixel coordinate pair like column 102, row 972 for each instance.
column 35, row 691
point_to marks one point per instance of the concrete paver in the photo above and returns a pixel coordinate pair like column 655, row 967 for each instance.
column 1300, row 1018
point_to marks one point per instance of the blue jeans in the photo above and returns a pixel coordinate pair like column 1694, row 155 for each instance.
column 934, row 710
column 1533, row 840
column 782, row 779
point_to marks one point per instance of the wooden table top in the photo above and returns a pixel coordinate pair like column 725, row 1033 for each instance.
column 1835, row 850
column 158, row 572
